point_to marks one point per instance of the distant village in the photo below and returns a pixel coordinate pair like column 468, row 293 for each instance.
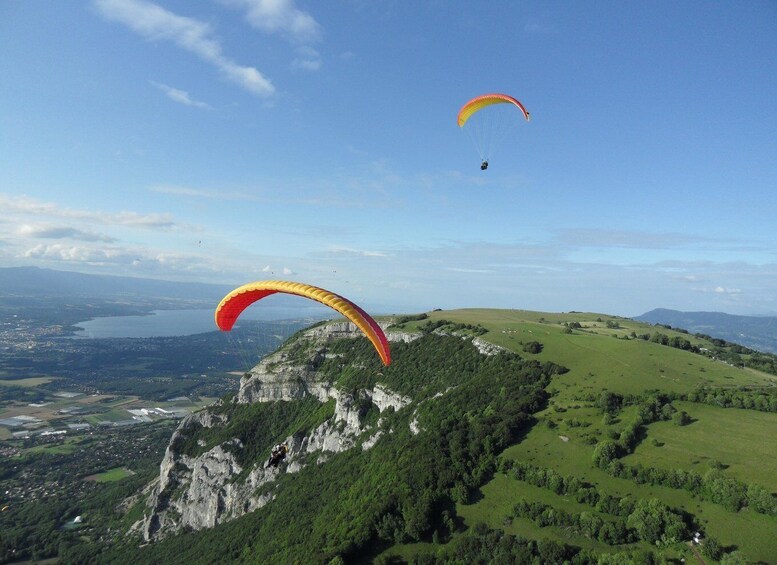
column 70, row 419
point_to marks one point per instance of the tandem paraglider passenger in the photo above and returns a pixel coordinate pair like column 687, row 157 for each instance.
column 483, row 165
column 278, row 454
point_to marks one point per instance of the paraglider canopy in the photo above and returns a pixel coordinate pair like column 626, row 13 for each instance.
column 480, row 102
column 233, row 304
column 487, row 124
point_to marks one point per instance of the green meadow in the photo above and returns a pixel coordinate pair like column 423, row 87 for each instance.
column 610, row 359
column 65, row 448
column 743, row 441
column 111, row 475
column 28, row 382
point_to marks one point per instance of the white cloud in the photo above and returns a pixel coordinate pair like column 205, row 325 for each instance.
column 79, row 254
column 124, row 260
column 280, row 16
column 158, row 24
column 348, row 251
column 724, row 290
column 202, row 193
column 25, row 206
column 271, row 270
column 62, row 232
column 179, row 96
column 473, row 271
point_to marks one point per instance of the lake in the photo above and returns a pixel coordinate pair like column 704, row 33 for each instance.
column 168, row 323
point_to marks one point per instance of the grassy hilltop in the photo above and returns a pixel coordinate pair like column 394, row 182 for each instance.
column 742, row 441
column 597, row 440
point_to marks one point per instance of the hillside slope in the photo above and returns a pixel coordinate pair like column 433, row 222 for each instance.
column 578, row 437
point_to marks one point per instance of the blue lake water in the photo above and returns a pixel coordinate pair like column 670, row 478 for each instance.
column 168, row 323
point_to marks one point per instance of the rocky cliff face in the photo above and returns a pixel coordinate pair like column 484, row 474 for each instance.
column 202, row 491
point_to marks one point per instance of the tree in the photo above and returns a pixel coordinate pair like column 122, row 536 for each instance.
column 761, row 500
column 659, row 337
column 735, row 558
column 605, row 452
column 655, row 523
column 711, row 548
column 610, row 402
column 533, row 347
column 681, row 418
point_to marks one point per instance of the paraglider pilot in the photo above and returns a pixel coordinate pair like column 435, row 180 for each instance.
column 483, row 165
column 278, row 454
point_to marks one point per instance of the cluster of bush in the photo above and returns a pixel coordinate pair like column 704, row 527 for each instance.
column 763, row 400
column 648, row 520
column 713, row 486
column 485, row 545
column 748, row 398
column 452, row 327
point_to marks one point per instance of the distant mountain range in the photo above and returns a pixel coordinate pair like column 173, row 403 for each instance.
column 60, row 287
column 33, row 281
column 756, row 332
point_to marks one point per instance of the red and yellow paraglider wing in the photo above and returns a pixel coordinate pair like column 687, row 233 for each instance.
column 233, row 304
column 480, row 102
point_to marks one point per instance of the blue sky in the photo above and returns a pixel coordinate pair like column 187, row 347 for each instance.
column 233, row 140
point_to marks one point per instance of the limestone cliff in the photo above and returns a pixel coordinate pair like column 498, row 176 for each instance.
column 211, row 487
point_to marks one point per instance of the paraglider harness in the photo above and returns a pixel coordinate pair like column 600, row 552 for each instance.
column 483, row 165
column 278, row 454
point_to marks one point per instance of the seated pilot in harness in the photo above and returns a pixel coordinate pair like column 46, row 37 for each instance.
column 278, row 454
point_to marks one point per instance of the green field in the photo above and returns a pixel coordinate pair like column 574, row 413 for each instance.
column 111, row 475
column 743, row 440
column 28, row 382
column 67, row 447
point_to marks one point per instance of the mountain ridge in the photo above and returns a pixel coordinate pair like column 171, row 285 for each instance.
column 757, row 332
column 36, row 281
column 570, row 400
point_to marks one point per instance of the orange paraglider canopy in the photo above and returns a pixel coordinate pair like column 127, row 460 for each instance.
column 484, row 100
column 233, row 304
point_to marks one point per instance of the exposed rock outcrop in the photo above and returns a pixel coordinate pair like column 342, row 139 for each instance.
column 202, row 491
